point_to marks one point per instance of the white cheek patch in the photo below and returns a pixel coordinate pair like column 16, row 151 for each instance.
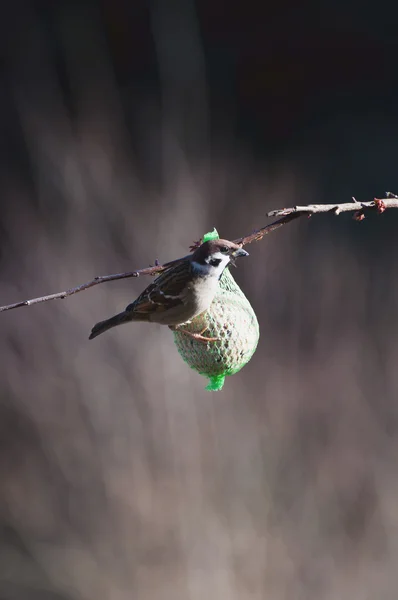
column 223, row 258
column 208, row 269
column 219, row 256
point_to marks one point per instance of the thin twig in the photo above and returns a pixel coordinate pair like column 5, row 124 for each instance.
column 258, row 235
column 378, row 204
column 85, row 286
column 286, row 215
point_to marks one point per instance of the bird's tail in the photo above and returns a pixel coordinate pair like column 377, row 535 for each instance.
column 123, row 317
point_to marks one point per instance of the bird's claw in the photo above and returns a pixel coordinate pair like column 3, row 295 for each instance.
column 198, row 336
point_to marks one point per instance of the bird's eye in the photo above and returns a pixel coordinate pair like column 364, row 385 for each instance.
column 224, row 249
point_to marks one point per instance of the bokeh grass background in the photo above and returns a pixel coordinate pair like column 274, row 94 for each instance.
column 127, row 131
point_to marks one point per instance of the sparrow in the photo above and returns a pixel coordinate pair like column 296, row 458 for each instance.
column 182, row 291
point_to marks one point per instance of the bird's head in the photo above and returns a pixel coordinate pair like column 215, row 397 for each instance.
column 213, row 256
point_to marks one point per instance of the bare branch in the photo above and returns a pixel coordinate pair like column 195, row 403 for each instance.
column 378, row 204
column 286, row 215
column 85, row 286
column 258, row 234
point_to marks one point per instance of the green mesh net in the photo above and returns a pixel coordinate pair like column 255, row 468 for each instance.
column 232, row 321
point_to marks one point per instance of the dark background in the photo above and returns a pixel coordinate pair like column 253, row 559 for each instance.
column 128, row 130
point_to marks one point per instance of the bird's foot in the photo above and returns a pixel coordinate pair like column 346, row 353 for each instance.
column 198, row 336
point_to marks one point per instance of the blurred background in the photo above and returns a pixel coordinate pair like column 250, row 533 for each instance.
column 128, row 130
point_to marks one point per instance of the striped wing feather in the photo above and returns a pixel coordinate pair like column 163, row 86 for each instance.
column 165, row 292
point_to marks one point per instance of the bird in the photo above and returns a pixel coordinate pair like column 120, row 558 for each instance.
column 184, row 290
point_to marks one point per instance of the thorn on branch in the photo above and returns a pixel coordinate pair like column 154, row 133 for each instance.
column 359, row 215
column 195, row 245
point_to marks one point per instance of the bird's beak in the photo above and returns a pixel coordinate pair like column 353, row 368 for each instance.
column 236, row 254
column 239, row 252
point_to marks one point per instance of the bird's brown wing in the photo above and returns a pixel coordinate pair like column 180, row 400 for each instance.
column 165, row 292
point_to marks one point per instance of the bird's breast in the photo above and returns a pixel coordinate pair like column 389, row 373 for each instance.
column 202, row 293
